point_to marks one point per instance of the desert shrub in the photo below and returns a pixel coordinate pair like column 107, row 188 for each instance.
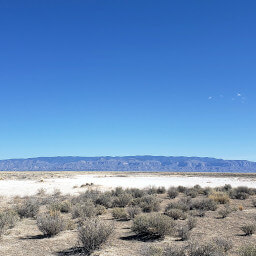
column 241, row 193
column 8, row 218
column 254, row 202
column 54, row 206
column 117, row 191
column 133, row 211
column 119, row 213
column 182, row 204
column 100, row 209
column 161, row 190
column 205, row 204
column 181, row 189
column 29, row 208
column 176, row 214
column 173, row 251
column 191, row 223
column 220, row 197
column 204, row 249
column 183, row 233
column 223, row 244
column 249, row 250
column 192, row 192
column 224, row 212
column 151, row 190
column 86, row 210
column 51, row 223
column 207, row 191
column 226, row 188
column 65, row 206
column 172, row 192
column 199, row 189
column 249, row 229
column 152, row 251
column 92, row 233
column 136, row 192
column 91, row 195
column 105, row 199
column 122, row 200
column 153, row 225
column 148, row 203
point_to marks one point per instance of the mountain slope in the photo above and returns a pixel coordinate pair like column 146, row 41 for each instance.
column 128, row 163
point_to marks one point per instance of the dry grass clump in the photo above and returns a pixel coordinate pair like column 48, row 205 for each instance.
column 153, row 225
column 29, row 208
column 220, row 197
column 249, row 229
column 8, row 218
column 183, row 232
column 192, row 192
column 50, row 223
column 92, row 233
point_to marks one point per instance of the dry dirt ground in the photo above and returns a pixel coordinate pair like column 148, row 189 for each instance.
column 25, row 239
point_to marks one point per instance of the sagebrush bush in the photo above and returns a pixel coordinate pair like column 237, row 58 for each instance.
column 192, row 192
column 191, row 223
column 248, row 250
column 65, row 206
column 183, row 233
column 8, row 218
column 105, row 199
column 161, row 190
column 148, row 203
column 205, row 204
column 29, row 208
column 50, row 223
column 151, row 190
column 254, row 202
column 119, row 213
column 92, row 233
column 122, row 200
column 203, row 249
column 182, row 204
column 152, row 251
column 153, row 225
column 249, row 229
column 220, row 197
column 174, row 251
column 241, row 193
column 86, row 210
column 133, row 211
column 223, row 244
column 172, row 192
column 176, row 214
column 136, row 192
column 224, row 212
column 181, row 189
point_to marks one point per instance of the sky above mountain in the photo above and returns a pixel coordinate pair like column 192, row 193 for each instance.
column 128, row 77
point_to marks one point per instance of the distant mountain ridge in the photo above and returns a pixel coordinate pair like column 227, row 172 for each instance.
column 128, row 163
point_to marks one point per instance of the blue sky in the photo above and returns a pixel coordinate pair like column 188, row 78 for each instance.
column 128, row 77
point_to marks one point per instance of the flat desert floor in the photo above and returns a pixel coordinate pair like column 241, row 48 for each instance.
column 50, row 188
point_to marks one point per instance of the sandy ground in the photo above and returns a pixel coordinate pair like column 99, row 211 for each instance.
column 72, row 184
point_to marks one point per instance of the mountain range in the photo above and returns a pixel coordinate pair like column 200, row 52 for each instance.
column 128, row 163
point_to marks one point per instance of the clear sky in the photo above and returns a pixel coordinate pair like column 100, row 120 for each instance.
column 128, row 77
